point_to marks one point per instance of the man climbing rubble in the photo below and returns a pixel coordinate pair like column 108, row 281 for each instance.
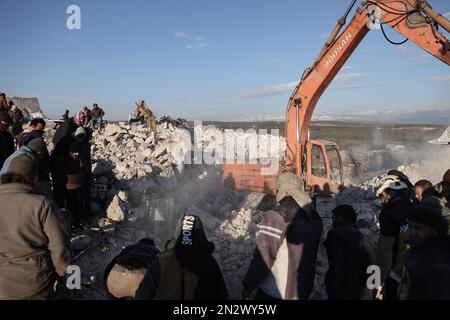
column 287, row 241
column 35, row 236
column 396, row 204
column 69, row 126
column 349, row 254
column 186, row 270
column 428, row 261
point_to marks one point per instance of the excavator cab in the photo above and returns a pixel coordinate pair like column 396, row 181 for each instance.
column 323, row 168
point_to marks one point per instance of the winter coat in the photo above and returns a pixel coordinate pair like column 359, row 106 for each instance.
column 97, row 113
column 348, row 261
column 393, row 225
column 6, row 146
column 428, row 270
column 186, row 270
column 24, row 137
column 283, row 264
column 34, row 242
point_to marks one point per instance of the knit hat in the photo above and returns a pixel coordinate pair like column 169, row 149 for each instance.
column 431, row 212
column 23, row 165
column 79, row 134
column 75, row 147
column 38, row 146
column 189, row 233
column 289, row 184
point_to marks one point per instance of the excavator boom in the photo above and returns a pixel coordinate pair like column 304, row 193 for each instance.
column 414, row 19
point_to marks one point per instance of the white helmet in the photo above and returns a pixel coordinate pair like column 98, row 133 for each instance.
column 390, row 182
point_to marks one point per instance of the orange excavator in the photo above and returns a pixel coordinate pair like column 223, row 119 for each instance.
column 319, row 163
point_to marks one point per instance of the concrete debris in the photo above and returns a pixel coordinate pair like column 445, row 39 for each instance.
column 147, row 182
column 116, row 209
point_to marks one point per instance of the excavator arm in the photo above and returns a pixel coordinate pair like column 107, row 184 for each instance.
column 414, row 19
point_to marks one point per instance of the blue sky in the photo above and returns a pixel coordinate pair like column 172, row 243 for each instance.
column 205, row 59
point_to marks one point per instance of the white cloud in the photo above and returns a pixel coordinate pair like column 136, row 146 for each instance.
column 350, row 76
column 437, row 78
column 447, row 15
column 324, row 35
column 262, row 92
column 196, row 42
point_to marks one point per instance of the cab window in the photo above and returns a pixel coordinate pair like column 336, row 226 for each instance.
column 318, row 166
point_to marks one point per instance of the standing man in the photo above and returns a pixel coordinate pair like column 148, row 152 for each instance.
column 6, row 139
column 17, row 119
column 283, row 264
column 348, row 257
column 396, row 204
column 34, row 246
column 428, row 261
column 3, row 103
column 419, row 188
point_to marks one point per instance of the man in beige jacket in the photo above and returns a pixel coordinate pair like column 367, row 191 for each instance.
column 34, row 239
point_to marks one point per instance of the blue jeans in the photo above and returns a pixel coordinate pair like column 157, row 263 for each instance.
column 94, row 121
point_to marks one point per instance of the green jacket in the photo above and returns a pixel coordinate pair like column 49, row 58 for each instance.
column 34, row 240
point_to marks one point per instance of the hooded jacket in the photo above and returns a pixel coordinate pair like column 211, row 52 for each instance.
column 348, row 261
column 283, row 264
column 33, row 242
column 186, row 270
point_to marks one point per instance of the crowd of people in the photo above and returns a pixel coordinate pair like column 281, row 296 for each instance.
column 44, row 196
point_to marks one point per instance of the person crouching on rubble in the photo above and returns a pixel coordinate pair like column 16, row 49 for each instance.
column 186, row 270
column 35, row 236
column 428, row 260
column 287, row 241
column 70, row 178
column 396, row 204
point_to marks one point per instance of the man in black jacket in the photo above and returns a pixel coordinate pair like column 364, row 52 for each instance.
column 347, row 257
column 6, row 139
column 186, row 270
column 428, row 261
column 396, row 204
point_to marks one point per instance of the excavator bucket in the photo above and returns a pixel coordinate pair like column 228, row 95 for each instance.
column 444, row 139
column 249, row 177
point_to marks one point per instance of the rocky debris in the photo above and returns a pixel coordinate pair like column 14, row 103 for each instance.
column 116, row 210
column 142, row 184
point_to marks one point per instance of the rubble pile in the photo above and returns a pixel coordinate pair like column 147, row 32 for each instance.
column 142, row 184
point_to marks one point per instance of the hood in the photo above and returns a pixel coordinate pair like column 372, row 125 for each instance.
column 189, row 234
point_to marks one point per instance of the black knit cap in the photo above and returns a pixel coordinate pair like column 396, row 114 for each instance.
column 432, row 213
column 76, row 147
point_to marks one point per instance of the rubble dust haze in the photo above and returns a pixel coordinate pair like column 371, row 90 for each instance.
column 143, row 184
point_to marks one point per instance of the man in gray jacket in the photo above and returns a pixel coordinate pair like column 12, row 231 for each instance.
column 283, row 264
column 33, row 238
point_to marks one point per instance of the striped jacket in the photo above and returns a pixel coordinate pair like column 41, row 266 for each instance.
column 283, row 264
